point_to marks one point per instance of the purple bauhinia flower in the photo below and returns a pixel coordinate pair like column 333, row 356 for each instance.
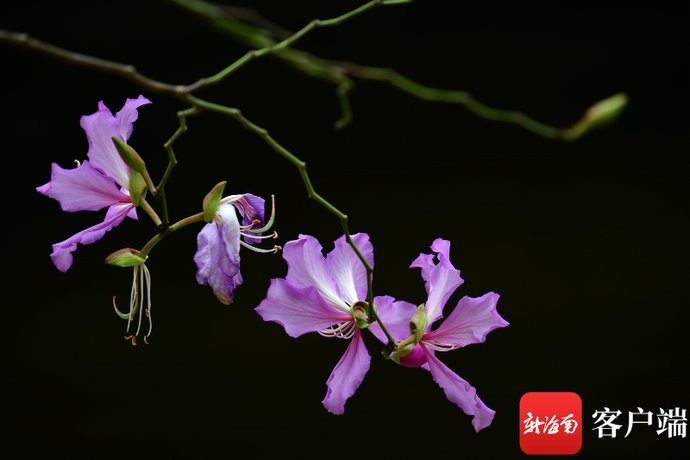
column 218, row 243
column 470, row 322
column 99, row 182
column 318, row 295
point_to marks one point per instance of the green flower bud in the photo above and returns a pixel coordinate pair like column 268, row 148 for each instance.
column 599, row 114
column 129, row 155
column 137, row 187
column 211, row 200
column 126, row 257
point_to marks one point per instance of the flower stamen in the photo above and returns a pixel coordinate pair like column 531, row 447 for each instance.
column 343, row 330
column 440, row 346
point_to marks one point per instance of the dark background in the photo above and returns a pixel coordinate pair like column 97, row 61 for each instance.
column 586, row 242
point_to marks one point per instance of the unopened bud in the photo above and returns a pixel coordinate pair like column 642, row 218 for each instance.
column 137, row 187
column 129, row 155
column 599, row 114
column 126, row 257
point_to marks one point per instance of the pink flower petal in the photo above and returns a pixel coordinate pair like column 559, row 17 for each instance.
column 62, row 252
column 82, row 188
column 307, row 268
column 470, row 322
column 100, row 128
column 128, row 115
column 441, row 279
column 347, row 375
column 298, row 309
column 218, row 254
column 347, row 270
column 396, row 317
column 460, row 392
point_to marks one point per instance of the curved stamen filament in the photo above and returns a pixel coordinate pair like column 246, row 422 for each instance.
column 440, row 346
column 343, row 330
column 274, row 250
column 273, row 235
column 139, row 303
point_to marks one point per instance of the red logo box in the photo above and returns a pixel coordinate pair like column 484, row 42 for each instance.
column 550, row 423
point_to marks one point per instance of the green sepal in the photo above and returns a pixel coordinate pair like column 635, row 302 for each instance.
column 212, row 199
column 360, row 313
column 401, row 352
column 137, row 187
column 129, row 155
column 126, row 257
column 418, row 323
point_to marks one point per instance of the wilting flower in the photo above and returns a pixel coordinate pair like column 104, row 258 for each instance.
column 321, row 295
column 99, row 182
column 218, row 244
column 470, row 322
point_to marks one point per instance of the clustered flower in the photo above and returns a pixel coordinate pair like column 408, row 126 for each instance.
column 326, row 295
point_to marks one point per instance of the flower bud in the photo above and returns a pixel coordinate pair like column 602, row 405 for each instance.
column 137, row 187
column 126, row 257
column 129, row 155
column 211, row 200
column 599, row 114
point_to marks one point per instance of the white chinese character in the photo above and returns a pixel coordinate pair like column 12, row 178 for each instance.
column 646, row 420
column 551, row 426
column 569, row 425
column 606, row 418
column 532, row 426
column 673, row 422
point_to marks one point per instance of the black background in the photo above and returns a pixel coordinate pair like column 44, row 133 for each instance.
column 586, row 242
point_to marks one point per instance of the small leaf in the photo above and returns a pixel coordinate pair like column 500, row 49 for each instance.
column 212, row 199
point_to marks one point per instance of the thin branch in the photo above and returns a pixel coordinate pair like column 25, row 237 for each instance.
column 128, row 72
column 283, row 44
column 172, row 159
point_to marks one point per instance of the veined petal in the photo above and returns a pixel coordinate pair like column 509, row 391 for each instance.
column 347, row 375
column 460, row 392
column 128, row 115
column 441, row 279
column 218, row 254
column 470, row 322
column 307, row 267
column 82, row 189
column 347, row 270
column 298, row 309
column 395, row 315
column 62, row 252
column 100, row 128
column 251, row 208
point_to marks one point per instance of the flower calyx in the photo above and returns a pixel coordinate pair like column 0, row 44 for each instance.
column 126, row 257
column 212, row 200
column 360, row 313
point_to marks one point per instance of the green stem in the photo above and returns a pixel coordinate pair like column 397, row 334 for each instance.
column 172, row 159
column 454, row 97
column 174, row 227
column 276, row 47
column 143, row 204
